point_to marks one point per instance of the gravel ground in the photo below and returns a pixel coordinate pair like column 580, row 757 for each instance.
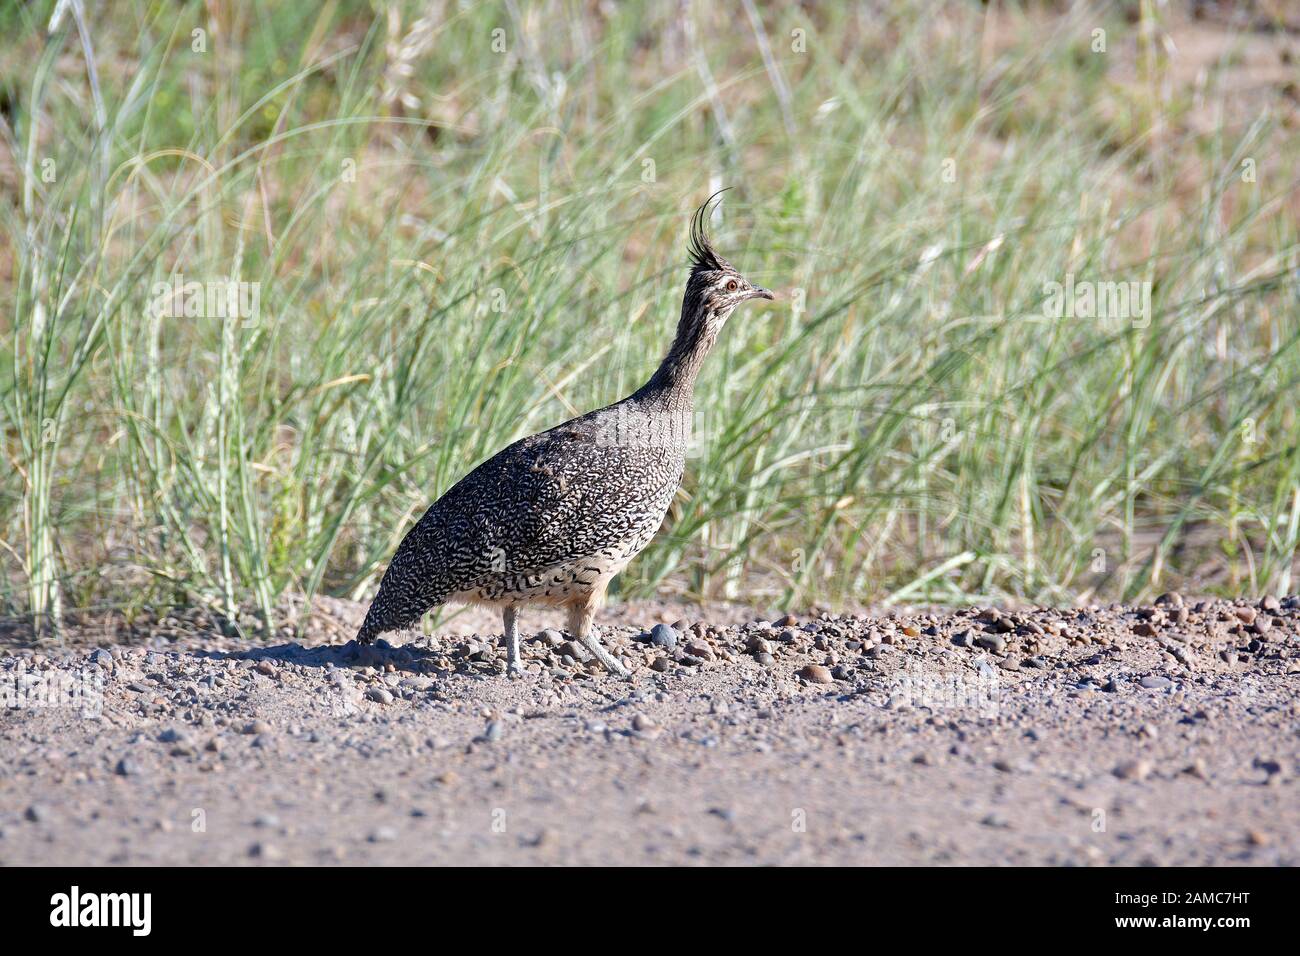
column 1109, row 735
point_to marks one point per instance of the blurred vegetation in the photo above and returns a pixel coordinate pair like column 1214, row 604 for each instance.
column 466, row 222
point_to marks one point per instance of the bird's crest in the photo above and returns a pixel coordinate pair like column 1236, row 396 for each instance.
column 703, row 256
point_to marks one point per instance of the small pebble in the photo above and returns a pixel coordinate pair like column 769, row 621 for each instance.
column 127, row 767
column 265, row 851
column 700, row 651
column 1133, row 770
column 575, row 651
column 662, row 635
column 816, row 674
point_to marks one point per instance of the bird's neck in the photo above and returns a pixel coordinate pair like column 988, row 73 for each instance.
column 673, row 383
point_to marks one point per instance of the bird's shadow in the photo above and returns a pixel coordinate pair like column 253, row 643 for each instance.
column 411, row 658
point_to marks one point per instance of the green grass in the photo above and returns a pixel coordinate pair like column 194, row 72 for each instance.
column 456, row 247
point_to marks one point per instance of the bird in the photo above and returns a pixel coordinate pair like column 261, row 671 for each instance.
column 551, row 519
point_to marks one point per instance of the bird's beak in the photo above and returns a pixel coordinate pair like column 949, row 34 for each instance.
column 758, row 292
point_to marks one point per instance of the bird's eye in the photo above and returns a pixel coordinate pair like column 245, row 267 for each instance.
column 731, row 286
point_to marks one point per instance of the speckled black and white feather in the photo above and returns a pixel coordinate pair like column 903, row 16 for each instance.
column 553, row 517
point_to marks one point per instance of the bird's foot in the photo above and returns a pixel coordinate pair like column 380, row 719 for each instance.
column 620, row 669
column 607, row 660
column 514, row 670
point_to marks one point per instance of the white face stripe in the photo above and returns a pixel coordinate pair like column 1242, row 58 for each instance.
column 722, row 300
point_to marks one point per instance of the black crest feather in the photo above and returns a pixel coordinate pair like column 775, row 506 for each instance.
column 700, row 249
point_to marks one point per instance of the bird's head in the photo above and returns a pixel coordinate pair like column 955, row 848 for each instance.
column 715, row 286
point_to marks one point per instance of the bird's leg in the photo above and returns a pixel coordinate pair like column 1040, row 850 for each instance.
column 510, row 615
column 584, row 629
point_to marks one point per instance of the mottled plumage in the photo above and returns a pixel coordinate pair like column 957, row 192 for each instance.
column 553, row 517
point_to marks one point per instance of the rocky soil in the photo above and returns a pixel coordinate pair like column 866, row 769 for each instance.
column 1106, row 735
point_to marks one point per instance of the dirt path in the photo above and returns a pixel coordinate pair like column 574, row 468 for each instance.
column 1107, row 736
